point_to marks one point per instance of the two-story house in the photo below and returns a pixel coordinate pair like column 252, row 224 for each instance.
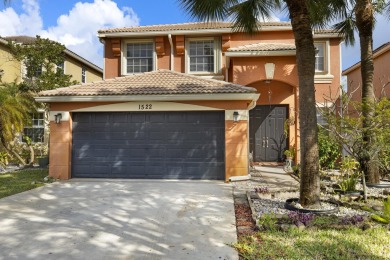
column 381, row 80
column 13, row 70
column 187, row 101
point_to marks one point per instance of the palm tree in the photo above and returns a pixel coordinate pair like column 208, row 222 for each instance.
column 360, row 15
column 15, row 109
column 245, row 14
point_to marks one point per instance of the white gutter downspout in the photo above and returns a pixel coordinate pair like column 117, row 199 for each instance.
column 171, row 65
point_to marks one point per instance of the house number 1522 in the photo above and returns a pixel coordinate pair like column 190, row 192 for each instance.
column 145, row 107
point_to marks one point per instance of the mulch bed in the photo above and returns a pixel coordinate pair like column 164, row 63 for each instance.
column 244, row 222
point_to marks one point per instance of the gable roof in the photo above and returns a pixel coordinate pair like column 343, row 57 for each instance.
column 199, row 28
column 375, row 53
column 23, row 39
column 160, row 82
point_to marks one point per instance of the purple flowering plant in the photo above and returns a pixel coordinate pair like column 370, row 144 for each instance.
column 298, row 218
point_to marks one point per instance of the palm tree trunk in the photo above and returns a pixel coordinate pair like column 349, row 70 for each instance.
column 364, row 13
column 17, row 156
column 305, row 55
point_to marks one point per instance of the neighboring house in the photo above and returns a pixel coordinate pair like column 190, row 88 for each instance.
column 187, row 101
column 381, row 80
column 79, row 68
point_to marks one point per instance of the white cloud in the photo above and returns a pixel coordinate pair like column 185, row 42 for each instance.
column 27, row 23
column 76, row 30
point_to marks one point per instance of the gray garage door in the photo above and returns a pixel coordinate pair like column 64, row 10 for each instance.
column 154, row 145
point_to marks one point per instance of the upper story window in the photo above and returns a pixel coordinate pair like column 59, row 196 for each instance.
column 61, row 66
column 321, row 63
column 83, row 75
column 138, row 57
column 203, row 56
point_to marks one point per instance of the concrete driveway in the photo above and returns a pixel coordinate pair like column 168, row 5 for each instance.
column 119, row 220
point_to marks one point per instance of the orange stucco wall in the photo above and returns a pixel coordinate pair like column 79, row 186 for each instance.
column 60, row 150
column 236, row 140
column 112, row 61
column 247, row 70
column 381, row 77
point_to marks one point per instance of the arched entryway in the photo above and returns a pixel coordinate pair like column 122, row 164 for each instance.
column 272, row 127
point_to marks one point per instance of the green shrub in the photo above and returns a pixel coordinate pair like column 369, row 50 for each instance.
column 328, row 148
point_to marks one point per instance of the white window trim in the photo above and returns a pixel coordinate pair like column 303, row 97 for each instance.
column 62, row 68
column 45, row 126
column 124, row 50
column 324, row 76
column 217, row 56
column 85, row 76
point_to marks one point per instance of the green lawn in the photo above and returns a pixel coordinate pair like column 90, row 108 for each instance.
column 19, row 181
column 352, row 243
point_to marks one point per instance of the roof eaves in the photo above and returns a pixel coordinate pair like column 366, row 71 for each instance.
column 377, row 52
column 83, row 60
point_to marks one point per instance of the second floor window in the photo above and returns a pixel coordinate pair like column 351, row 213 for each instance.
column 61, row 66
column 83, row 75
column 201, row 56
column 320, row 57
column 139, row 57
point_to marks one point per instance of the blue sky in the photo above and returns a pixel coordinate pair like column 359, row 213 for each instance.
column 75, row 23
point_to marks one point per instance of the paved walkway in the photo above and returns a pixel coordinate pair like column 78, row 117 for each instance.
column 275, row 178
column 119, row 220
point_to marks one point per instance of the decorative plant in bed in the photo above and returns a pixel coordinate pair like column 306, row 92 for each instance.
column 349, row 177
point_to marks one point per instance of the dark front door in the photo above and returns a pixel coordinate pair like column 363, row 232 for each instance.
column 266, row 132
column 153, row 145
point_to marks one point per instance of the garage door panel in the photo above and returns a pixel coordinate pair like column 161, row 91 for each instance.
column 168, row 145
column 137, row 118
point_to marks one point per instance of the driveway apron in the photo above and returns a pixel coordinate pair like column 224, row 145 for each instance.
column 121, row 219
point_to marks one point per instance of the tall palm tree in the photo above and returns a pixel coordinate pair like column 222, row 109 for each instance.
column 15, row 109
column 360, row 15
column 245, row 14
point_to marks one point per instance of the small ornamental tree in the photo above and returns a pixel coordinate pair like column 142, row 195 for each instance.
column 349, row 131
column 40, row 59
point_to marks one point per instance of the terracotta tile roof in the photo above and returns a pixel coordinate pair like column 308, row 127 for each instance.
column 185, row 27
column 21, row 39
column 264, row 47
column 160, row 82
column 198, row 26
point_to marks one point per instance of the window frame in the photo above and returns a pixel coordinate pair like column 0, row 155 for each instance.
column 217, row 55
column 124, row 55
column 38, row 126
column 83, row 74
column 62, row 67
column 326, row 57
